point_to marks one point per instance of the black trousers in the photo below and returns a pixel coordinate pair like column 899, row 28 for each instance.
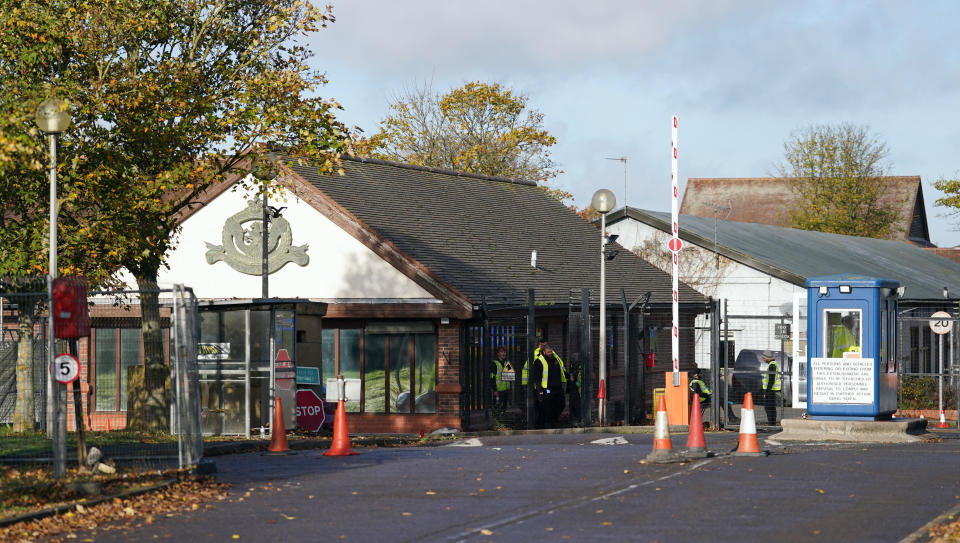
column 549, row 407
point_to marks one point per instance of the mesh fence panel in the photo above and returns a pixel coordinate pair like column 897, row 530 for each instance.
column 106, row 358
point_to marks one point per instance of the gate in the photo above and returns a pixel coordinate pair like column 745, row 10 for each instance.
column 745, row 342
column 480, row 343
column 22, row 301
column 927, row 364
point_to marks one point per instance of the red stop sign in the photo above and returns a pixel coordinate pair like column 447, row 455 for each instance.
column 310, row 413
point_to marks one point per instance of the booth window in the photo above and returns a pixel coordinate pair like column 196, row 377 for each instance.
column 843, row 335
column 115, row 350
column 396, row 362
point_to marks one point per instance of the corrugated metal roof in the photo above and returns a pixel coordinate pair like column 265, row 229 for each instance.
column 476, row 233
column 796, row 255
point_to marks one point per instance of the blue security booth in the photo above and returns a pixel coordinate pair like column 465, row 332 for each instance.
column 851, row 347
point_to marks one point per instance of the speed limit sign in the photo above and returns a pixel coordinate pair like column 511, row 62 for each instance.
column 66, row 368
column 941, row 322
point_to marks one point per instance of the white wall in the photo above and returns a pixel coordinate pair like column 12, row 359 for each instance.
column 340, row 267
column 748, row 291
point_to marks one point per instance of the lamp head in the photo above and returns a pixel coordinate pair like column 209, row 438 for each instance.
column 52, row 116
column 603, row 201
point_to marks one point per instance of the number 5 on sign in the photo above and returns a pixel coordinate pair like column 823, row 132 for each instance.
column 66, row 369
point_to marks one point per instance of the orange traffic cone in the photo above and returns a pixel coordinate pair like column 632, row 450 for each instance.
column 943, row 421
column 748, row 430
column 662, row 446
column 278, row 433
column 696, row 446
column 108, row 424
column 341, row 437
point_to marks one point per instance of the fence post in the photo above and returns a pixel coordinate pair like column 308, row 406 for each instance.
column 586, row 394
column 715, row 363
column 626, row 358
column 531, row 338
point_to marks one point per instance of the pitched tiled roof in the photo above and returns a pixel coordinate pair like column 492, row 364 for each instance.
column 797, row 255
column 770, row 200
column 476, row 233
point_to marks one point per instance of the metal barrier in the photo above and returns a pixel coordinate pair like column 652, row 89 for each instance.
column 104, row 394
column 744, row 340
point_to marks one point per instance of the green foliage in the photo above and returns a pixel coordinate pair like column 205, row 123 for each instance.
column 837, row 170
column 482, row 128
column 951, row 194
column 923, row 393
column 167, row 97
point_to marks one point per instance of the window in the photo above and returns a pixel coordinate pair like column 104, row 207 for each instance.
column 842, row 336
column 115, row 350
column 396, row 363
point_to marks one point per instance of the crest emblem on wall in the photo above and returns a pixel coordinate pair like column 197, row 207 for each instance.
column 242, row 239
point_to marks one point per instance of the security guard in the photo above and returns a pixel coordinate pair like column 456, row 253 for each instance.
column 536, row 353
column 549, row 380
column 845, row 340
column 771, row 386
column 501, row 388
column 697, row 386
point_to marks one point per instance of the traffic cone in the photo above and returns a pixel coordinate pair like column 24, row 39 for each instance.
column 278, row 434
column 748, row 430
column 341, row 437
column 108, row 424
column 662, row 446
column 943, row 421
column 696, row 446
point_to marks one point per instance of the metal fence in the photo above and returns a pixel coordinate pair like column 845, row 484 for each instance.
column 94, row 409
column 744, row 342
column 929, row 373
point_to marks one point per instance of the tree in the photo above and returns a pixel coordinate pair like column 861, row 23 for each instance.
column 951, row 194
column 837, row 170
column 482, row 128
column 168, row 97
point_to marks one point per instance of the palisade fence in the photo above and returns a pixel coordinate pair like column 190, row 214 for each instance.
column 168, row 435
column 928, row 366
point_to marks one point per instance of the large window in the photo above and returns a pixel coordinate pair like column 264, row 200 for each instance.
column 396, row 363
column 842, row 337
column 115, row 350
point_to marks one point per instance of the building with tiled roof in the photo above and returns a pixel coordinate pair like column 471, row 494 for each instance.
column 420, row 273
column 769, row 200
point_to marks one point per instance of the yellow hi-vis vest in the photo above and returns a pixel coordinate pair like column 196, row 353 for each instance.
column 497, row 376
column 776, row 376
column 523, row 372
column 703, row 387
column 546, row 371
column 844, row 341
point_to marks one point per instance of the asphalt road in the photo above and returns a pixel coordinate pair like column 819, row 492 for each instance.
column 566, row 488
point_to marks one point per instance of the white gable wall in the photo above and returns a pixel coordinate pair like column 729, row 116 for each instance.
column 341, row 268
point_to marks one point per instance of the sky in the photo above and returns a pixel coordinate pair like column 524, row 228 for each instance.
column 607, row 76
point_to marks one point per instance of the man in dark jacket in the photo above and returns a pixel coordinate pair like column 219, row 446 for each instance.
column 549, row 379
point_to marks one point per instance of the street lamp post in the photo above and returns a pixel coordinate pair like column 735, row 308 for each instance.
column 53, row 118
column 603, row 201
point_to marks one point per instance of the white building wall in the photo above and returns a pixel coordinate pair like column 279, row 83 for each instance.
column 746, row 290
column 340, row 267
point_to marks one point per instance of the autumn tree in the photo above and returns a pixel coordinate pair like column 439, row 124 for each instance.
column 837, row 171
column 482, row 128
column 168, row 97
column 950, row 187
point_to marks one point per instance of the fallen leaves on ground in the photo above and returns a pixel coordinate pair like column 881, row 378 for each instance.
column 188, row 493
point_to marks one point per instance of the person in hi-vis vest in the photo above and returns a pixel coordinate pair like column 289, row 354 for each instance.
column 549, row 380
column 501, row 388
column 845, row 337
